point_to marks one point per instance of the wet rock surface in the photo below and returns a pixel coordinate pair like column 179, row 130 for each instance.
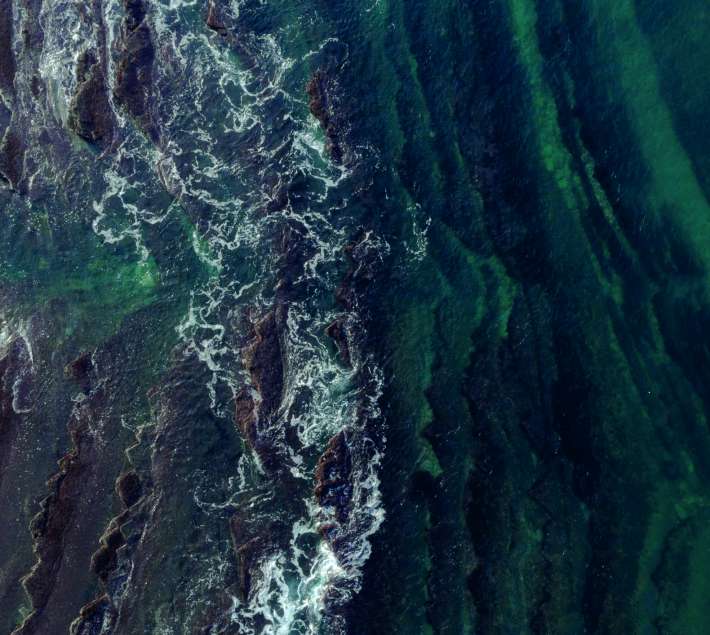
column 320, row 95
column 333, row 477
column 133, row 84
column 90, row 113
column 12, row 154
column 7, row 56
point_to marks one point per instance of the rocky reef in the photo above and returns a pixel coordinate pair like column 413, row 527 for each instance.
column 354, row 317
column 133, row 85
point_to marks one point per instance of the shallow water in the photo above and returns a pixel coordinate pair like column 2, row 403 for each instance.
column 354, row 317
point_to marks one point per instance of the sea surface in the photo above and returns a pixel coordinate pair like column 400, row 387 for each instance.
column 354, row 317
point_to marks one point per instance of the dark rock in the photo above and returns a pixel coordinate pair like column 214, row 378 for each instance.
column 246, row 416
column 135, row 13
column 250, row 545
column 214, row 20
column 129, row 488
column 12, row 155
column 134, row 76
column 69, row 491
column 321, row 106
column 103, row 561
column 7, row 57
column 263, row 360
column 255, row 416
column 337, row 331
column 90, row 114
column 14, row 373
column 94, row 617
column 80, row 368
column 47, row 529
column 333, row 487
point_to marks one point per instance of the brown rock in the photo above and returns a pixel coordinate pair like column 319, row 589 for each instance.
column 7, row 57
column 103, row 561
column 12, row 156
column 134, row 76
column 94, row 617
column 250, row 546
column 337, row 331
column 333, row 487
column 265, row 365
column 90, row 114
column 246, row 416
column 321, row 108
column 214, row 20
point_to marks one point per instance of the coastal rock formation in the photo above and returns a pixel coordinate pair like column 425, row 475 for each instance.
column 90, row 114
column 134, row 74
column 7, row 56
column 54, row 518
column 12, row 155
column 214, row 19
column 337, row 330
column 320, row 96
column 333, row 487
column 256, row 406
column 448, row 376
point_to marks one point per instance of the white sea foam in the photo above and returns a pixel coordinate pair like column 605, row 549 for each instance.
column 223, row 159
column 69, row 30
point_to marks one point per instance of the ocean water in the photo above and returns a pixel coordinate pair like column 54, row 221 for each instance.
column 354, row 317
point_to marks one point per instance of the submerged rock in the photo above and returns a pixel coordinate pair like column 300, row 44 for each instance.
column 80, row 369
column 251, row 544
column 256, row 407
column 246, row 415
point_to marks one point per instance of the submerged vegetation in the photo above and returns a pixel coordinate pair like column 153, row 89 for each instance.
column 354, row 317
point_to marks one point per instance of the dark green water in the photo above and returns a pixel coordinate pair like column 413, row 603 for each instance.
column 366, row 317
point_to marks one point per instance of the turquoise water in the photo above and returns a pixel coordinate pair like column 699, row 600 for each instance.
column 354, row 317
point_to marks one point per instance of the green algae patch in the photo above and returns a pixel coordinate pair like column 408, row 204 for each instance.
column 97, row 293
column 674, row 194
column 105, row 291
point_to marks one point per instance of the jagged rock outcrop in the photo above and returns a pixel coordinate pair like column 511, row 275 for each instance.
column 333, row 488
column 214, row 19
column 15, row 390
column 129, row 488
column 12, row 156
column 257, row 405
column 79, row 370
column 319, row 90
column 337, row 330
column 133, row 87
column 90, row 114
column 7, row 57
column 95, row 618
column 69, row 521
column 48, row 526
column 263, row 360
